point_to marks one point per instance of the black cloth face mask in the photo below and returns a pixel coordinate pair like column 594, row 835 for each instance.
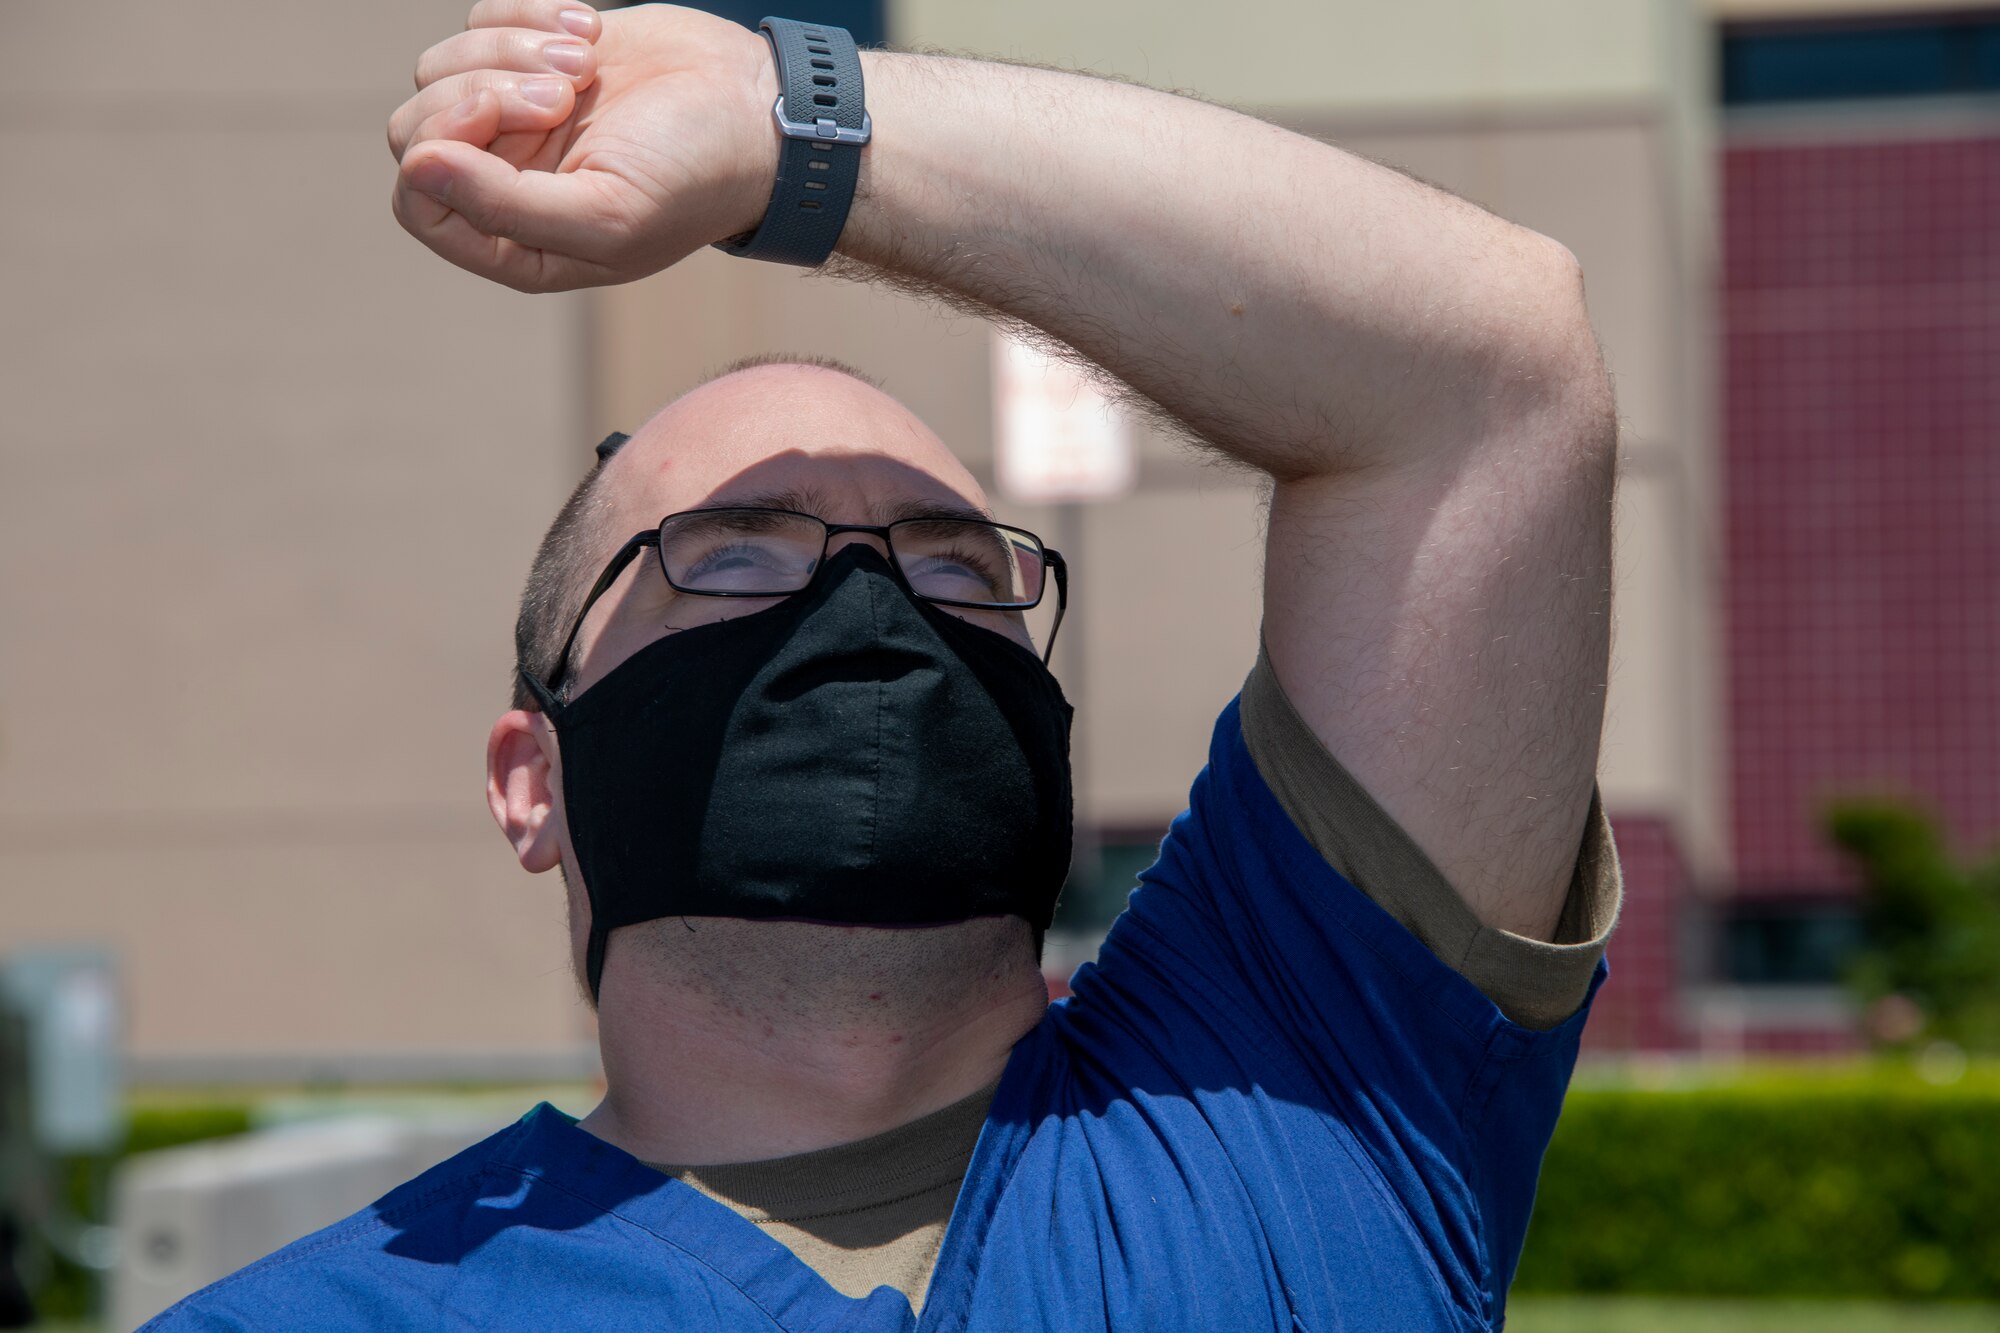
column 852, row 755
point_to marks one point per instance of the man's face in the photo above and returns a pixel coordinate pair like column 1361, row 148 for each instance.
column 781, row 437
column 784, row 436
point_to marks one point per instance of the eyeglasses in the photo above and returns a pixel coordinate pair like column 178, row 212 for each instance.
column 751, row 552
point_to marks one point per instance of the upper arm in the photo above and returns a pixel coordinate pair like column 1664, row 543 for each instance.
column 1443, row 626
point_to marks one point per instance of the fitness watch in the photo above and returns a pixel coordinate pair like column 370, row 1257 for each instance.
column 824, row 125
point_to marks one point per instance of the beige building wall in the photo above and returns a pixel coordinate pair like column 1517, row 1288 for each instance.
column 273, row 473
column 271, row 477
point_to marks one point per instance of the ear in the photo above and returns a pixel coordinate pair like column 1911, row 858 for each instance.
column 520, row 787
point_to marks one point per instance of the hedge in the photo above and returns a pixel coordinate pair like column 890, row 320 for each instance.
column 1863, row 1182
column 148, row 1127
column 170, row 1126
column 67, row 1292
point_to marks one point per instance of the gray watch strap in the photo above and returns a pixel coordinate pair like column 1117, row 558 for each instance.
column 823, row 124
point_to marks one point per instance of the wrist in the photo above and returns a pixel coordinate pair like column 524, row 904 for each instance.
column 818, row 124
column 885, row 83
column 752, row 87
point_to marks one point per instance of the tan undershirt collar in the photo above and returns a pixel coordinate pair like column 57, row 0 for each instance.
column 868, row 1173
column 862, row 1215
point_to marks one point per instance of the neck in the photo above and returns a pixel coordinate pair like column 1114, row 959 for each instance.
column 736, row 1041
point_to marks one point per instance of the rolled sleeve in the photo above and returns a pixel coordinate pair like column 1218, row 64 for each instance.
column 1535, row 983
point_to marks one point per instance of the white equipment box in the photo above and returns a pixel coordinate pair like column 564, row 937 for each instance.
column 187, row 1216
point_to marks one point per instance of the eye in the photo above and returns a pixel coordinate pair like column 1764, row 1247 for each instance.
column 958, row 575
column 741, row 566
column 739, row 552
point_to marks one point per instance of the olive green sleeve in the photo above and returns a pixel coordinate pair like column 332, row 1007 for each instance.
column 1534, row 983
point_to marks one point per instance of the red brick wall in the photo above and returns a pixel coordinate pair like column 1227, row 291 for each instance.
column 1862, row 476
column 1801, row 1041
column 1638, row 1007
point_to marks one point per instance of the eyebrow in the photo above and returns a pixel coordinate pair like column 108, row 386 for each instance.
column 810, row 500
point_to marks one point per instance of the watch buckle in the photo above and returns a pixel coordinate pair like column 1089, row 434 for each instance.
column 822, row 129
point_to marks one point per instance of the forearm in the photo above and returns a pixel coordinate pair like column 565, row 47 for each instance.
column 1299, row 307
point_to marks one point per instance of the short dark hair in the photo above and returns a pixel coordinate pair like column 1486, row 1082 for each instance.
column 567, row 561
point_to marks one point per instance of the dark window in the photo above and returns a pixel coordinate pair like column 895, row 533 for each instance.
column 866, row 19
column 1101, row 878
column 1921, row 57
column 1784, row 942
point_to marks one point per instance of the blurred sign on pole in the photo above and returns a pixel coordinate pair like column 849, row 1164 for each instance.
column 1059, row 439
column 69, row 999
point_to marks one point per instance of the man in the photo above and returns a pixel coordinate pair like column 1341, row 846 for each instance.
column 781, row 727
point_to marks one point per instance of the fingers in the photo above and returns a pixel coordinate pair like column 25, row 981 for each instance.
column 519, row 49
column 522, row 103
column 534, row 75
column 516, row 70
column 546, row 15
column 533, row 230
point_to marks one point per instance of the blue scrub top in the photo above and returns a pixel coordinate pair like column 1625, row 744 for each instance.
column 1266, row 1105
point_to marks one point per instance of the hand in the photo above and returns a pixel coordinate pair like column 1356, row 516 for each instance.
column 652, row 139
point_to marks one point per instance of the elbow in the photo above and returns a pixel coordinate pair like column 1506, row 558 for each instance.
column 1558, row 370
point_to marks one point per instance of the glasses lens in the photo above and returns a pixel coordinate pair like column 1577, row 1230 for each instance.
column 959, row 560
column 740, row 552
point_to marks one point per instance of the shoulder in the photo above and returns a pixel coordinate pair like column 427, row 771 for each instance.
column 1244, row 918
column 389, row 1264
column 519, row 1231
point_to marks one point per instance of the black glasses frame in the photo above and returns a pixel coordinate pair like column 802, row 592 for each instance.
column 1052, row 562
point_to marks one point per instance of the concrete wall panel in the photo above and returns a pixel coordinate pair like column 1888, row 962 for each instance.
column 305, row 940
column 273, row 475
column 657, row 337
column 1167, row 592
column 1421, row 53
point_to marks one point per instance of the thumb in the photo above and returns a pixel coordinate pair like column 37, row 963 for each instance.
column 536, row 230
column 572, row 212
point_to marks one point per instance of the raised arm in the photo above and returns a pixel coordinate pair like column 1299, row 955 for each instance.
column 1417, row 376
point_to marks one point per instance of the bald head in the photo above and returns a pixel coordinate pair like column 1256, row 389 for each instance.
column 776, row 426
column 812, row 434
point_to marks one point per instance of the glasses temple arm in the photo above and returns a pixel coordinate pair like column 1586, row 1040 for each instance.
column 1060, row 568
column 611, row 572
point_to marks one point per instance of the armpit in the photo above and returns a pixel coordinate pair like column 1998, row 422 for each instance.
column 1535, row 983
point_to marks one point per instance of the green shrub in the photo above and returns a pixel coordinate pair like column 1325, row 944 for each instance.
column 1863, row 1183
column 1931, row 926
column 84, row 1182
column 170, row 1126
